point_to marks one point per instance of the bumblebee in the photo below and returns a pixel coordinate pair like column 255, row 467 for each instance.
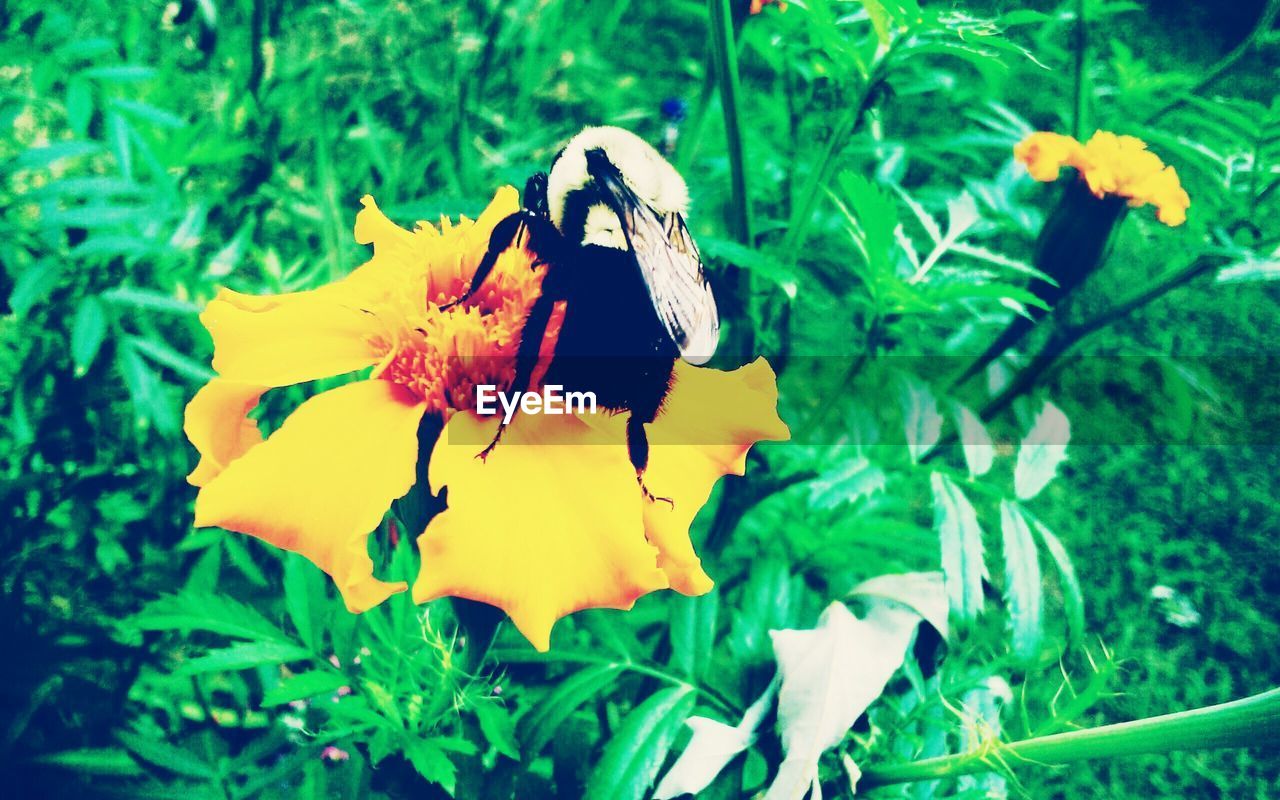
column 607, row 223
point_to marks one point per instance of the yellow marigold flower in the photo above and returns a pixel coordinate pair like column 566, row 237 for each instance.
column 757, row 6
column 552, row 522
column 1110, row 165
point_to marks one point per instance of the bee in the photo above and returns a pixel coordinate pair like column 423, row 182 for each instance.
column 608, row 224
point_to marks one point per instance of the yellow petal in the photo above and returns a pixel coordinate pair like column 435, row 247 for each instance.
column 549, row 524
column 710, row 420
column 505, row 202
column 1045, row 154
column 1122, row 165
column 373, row 227
column 217, row 423
column 290, row 338
column 323, row 481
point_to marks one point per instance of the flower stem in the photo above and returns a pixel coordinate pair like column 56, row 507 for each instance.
column 1241, row 723
column 1067, row 337
column 1081, row 76
column 725, row 57
column 817, row 180
column 1265, row 21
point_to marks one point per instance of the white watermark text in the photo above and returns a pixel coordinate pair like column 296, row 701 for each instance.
column 553, row 399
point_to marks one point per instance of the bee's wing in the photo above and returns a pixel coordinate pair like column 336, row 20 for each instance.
column 672, row 271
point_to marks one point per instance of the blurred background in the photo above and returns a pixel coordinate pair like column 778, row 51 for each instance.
column 152, row 152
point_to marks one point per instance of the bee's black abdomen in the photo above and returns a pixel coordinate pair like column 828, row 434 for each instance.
column 612, row 342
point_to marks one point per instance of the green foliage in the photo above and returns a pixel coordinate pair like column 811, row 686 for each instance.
column 630, row 762
column 864, row 227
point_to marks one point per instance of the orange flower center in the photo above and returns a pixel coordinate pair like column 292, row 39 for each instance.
column 441, row 356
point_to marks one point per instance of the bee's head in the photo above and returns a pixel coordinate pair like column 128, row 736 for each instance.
column 577, row 210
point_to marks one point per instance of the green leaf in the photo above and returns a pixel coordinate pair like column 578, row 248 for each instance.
column 1249, row 271
column 203, row 577
column 87, row 332
column 303, row 597
column 1023, row 592
column 148, row 299
column 1072, row 596
column 1041, row 452
column 243, row 656
column 213, row 613
column 148, row 113
column 538, row 726
column 1023, row 17
column 225, row 261
column 118, row 138
column 969, row 290
column 303, row 686
column 871, row 218
column 283, row 769
column 242, row 559
column 608, row 634
column 93, row 761
column 93, row 216
column 879, row 20
column 84, row 49
column 33, row 285
column 79, row 105
column 432, row 763
column 926, row 220
column 979, row 451
column 98, row 188
column 922, row 418
column 752, row 260
column 100, row 245
column 962, row 213
column 38, row 157
column 121, row 73
column 772, row 598
column 142, row 382
column 999, row 259
column 963, row 567
column 167, row 756
column 151, row 403
column 848, row 481
column 634, row 755
column 497, row 727
column 160, row 353
column 693, row 633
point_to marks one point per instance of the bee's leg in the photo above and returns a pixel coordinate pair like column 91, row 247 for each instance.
column 504, row 235
column 638, row 450
column 535, row 329
column 542, row 238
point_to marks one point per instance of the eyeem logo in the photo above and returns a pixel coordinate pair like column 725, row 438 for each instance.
column 553, row 400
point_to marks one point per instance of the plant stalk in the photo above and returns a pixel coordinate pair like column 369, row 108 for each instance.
column 1067, row 337
column 725, row 57
column 1265, row 22
column 818, row 179
column 1241, row 723
column 1081, row 76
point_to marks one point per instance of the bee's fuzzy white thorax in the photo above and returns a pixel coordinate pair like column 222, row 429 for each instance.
column 646, row 172
column 602, row 228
